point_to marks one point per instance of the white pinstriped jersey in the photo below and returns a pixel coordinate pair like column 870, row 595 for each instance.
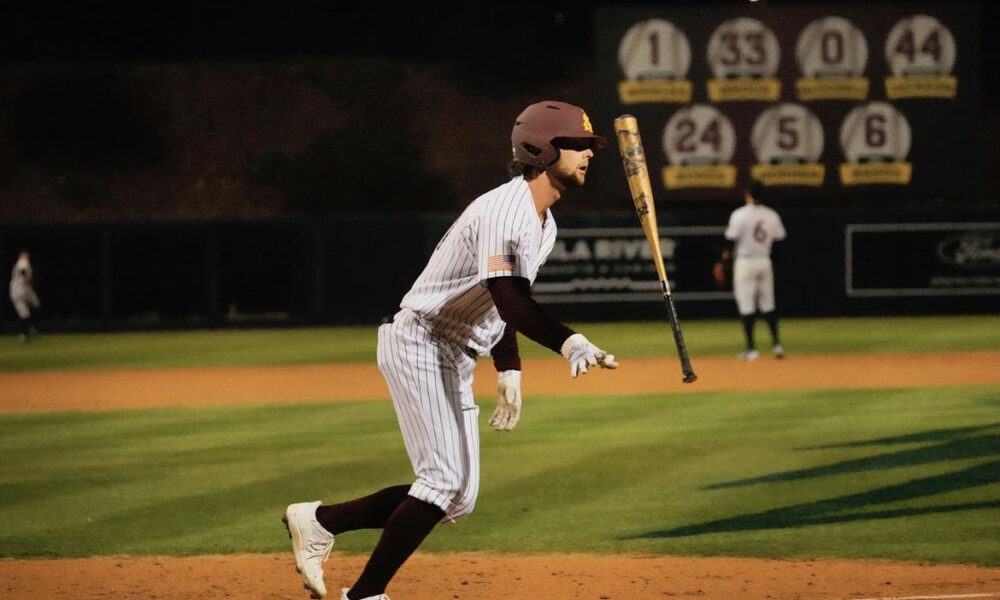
column 498, row 235
column 754, row 228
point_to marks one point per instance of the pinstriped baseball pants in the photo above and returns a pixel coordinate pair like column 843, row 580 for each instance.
column 431, row 385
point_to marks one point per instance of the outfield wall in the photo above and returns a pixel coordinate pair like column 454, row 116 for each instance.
column 354, row 269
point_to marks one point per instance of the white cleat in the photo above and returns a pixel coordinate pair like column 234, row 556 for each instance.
column 779, row 352
column 749, row 355
column 343, row 596
column 311, row 544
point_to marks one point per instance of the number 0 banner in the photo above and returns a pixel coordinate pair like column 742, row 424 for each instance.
column 868, row 103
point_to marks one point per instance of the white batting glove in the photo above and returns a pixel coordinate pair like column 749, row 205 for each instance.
column 508, row 401
column 581, row 354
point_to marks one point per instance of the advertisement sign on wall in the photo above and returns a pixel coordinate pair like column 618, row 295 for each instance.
column 922, row 259
column 615, row 264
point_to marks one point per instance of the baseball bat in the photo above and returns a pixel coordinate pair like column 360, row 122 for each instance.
column 634, row 161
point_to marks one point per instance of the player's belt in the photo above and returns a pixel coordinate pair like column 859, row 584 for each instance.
column 471, row 352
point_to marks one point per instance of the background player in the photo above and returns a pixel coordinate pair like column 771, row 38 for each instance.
column 470, row 300
column 753, row 228
column 23, row 295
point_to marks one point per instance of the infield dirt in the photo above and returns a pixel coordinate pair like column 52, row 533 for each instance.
column 483, row 576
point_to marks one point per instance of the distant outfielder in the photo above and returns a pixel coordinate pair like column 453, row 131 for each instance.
column 23, row 295
column 472, row 298
column 754, row 228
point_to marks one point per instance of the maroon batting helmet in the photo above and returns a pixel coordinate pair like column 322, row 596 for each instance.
column 542, row 122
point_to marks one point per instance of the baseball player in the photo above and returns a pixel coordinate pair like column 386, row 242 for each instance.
column 23, row 295
column 753, row 228
column 470, row 300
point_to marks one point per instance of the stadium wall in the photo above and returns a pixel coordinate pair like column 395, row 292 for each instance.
column 353, row 269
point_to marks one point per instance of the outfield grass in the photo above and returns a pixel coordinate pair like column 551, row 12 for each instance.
column 902, row 474
column 906, row 474
column 346, row 344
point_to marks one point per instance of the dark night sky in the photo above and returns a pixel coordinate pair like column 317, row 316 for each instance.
column 228, row 29
column 220, row 29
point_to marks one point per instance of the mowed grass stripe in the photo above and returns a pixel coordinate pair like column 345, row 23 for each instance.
column 905, row 474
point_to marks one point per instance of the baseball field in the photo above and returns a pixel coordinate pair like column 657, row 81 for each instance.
column 864, row 465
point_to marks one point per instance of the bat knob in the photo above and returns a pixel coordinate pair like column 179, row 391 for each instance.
column 690, row 377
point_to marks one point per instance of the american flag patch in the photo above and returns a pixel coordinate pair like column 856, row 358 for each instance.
column 500, row 262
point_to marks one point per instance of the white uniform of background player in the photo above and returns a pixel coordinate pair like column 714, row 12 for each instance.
column 23, row 295
column 467, row 302
column 754, row 228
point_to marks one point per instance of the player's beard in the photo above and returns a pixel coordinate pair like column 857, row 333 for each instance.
column 574, row 179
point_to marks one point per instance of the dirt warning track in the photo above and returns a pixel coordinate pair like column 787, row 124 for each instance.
column 147, row 388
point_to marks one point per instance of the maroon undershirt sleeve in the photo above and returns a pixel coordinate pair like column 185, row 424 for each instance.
column 512, row 297
column 505, row 353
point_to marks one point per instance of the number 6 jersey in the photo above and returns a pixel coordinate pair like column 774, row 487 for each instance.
column 754, row 227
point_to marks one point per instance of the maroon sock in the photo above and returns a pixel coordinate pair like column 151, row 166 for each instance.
column 403, row 533
column 370, row 512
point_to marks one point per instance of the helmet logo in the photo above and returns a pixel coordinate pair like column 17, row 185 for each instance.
column 586, row 124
